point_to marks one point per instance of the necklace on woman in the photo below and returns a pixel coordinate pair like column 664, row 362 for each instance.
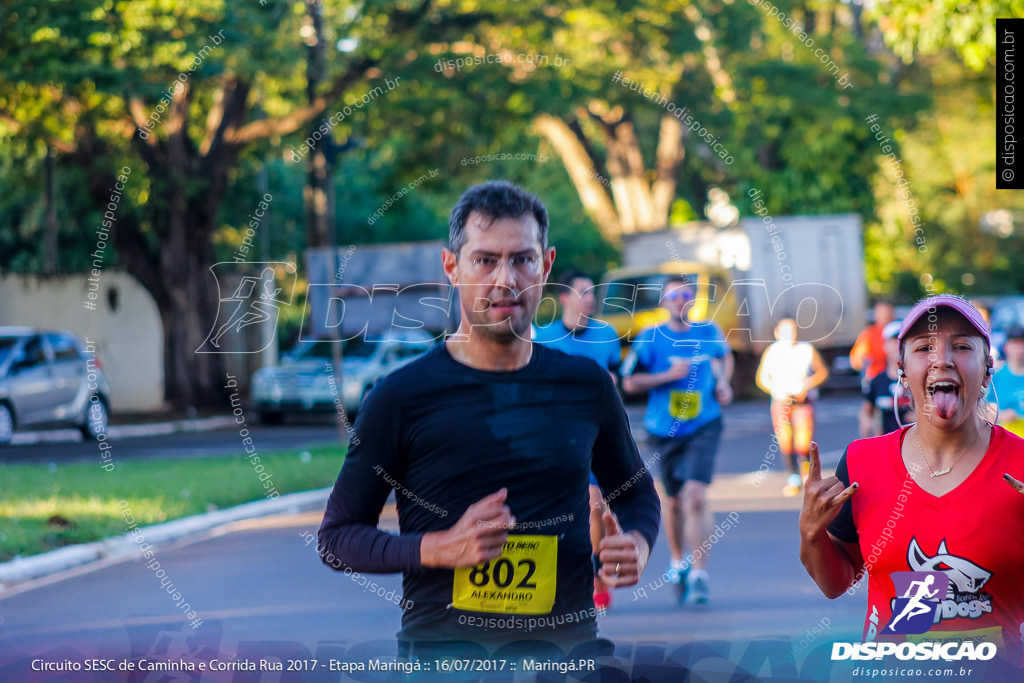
column 927, row 464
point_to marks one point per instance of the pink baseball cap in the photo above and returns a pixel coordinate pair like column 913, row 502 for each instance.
column 961, row 306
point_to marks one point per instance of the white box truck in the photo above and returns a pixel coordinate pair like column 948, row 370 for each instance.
column 748, row 277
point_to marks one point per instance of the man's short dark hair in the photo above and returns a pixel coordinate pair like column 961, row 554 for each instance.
column 570, row 276
column 495, row 199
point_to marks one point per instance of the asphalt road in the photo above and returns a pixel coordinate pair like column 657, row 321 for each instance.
column 261, row 590
column 747, row 423
column 66, row 446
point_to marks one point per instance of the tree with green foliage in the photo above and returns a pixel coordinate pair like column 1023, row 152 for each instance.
column 660, row 102
column 198, row 100
column 970, row 235
column 922, row 28
column 171, row 92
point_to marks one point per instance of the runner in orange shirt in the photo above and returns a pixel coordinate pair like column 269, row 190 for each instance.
column 868, row 353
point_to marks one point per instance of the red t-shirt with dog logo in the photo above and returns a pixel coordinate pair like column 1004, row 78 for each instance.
column 974, row 534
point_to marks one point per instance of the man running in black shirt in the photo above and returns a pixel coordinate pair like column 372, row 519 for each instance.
column 884, row 390
column 494, row 438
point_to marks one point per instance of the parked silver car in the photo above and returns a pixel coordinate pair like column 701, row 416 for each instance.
column 305, row 381
column 49, row 379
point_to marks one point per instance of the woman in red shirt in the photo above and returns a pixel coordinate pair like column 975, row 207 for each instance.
column 933, row 512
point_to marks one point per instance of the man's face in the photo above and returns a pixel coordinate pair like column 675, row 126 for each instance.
column 883, row 314
column 500, row 273
column 677, row 300
column 1013, row 349
column 892, row 348
column 786, row 331
column 578, row 302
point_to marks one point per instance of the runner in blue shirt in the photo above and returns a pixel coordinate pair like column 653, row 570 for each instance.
column 1009, row 382
column 578, row 334
column 686, row 366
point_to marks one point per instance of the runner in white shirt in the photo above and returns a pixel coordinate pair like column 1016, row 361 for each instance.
column 790, row 371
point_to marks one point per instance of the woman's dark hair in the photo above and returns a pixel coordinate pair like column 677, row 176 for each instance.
column 495, row 199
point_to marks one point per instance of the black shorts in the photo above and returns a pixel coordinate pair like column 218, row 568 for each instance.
column 689, row 457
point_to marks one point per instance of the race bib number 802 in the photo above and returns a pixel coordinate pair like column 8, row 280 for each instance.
column 521, row 581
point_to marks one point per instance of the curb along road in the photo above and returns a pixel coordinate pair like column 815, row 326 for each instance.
column 44, row 564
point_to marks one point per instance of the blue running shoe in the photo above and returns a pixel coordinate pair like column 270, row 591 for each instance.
column 697, row 592
column 678, row 578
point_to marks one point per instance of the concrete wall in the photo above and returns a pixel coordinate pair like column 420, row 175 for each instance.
column 125, row 326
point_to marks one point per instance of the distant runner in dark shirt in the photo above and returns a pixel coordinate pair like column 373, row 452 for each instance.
column 885, row 389
column 488, row 441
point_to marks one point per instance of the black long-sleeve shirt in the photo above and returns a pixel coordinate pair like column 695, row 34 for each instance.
column 444, row 435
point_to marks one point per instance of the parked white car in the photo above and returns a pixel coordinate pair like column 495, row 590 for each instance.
column 306, row 383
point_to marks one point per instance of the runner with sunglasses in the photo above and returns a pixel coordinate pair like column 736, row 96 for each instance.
column 686, row 368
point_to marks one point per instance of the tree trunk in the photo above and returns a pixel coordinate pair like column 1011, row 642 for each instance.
column 705, row 33
column 623, row 200
column 50, row 225
column 191, row 379
column 583, row 170
column 319, row 168
column 185, row 290
column 177, row 275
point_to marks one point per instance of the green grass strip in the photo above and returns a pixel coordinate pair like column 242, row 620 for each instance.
column 43, row 507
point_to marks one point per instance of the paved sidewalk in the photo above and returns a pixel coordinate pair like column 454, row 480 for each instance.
column 115, row 431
